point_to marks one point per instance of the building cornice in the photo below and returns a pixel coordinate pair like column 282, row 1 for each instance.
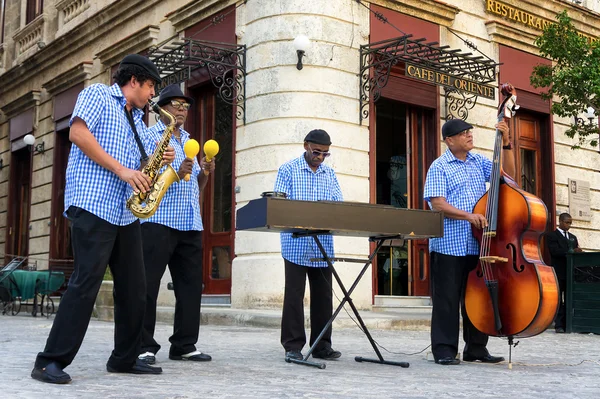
column 503, row 33
column 195, row 11
column 99, row 24
column 505, row 28
column 23, row 103
column 81, row 73
column 430, row 10
column 134, row 43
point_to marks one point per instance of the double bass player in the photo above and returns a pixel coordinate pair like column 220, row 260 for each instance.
column 455, row 182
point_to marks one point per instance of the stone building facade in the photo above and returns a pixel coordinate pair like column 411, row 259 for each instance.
column 385, row 133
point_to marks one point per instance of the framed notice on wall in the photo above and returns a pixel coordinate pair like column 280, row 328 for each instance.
column 579, row 200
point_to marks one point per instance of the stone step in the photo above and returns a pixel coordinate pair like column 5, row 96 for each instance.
column 216, row 300
column 417, row 310
column 384, row 301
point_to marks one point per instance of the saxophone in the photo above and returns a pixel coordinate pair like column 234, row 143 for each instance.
column 144, row 205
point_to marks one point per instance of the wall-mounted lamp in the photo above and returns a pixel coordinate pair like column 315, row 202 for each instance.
column 301, row 43
column 592, row 121
column 29, row 139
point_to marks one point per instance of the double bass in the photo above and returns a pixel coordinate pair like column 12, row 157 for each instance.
column 512, row 292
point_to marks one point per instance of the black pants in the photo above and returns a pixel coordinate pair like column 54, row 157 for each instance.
column 449, row 277
column 182, row 251
column 293, row 336
column 96, row 244
column 561, row 316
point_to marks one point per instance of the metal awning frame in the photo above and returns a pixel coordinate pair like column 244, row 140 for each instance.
column 378, row 59
column 225, row 64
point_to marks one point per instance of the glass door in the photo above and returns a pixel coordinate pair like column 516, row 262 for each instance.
column 392, row 188
column 406, row 144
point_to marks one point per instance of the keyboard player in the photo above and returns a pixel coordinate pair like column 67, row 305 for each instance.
column 307, row 178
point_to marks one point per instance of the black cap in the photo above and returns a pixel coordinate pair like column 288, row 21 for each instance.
column 318, row 136
column 454, row 127
column 144, row 63
column 170, row 92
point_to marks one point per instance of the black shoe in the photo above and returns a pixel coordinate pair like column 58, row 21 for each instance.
column 483, row 359
column 559, row 330
column 293, row 354
column 147, row 357
column 448, row 361
column 327, row 354
column 138, row 368
column 52, row 374
column 195, row 356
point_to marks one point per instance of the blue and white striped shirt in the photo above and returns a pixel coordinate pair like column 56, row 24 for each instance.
column 462, row 184
column 89, row 185
column 299, row 182
column 180, row 207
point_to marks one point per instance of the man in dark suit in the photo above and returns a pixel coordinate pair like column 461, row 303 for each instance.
column 559, row 243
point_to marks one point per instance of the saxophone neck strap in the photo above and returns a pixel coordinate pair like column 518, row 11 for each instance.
column 129, row 117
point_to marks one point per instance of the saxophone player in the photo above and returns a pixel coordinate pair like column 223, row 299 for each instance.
column 173, row 236
column 109, row 141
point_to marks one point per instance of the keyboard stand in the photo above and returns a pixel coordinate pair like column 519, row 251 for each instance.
column 380, row 240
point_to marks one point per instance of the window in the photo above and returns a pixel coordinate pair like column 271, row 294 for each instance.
column 34, row 9
column 2, row 7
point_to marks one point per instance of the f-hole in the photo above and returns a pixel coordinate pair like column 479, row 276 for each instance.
column 513, row 252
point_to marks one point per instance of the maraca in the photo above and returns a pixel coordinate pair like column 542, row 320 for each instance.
column 191, row 149
column 211, row 149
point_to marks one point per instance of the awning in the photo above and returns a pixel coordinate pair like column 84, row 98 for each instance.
column 225, row 64
column 463, row 76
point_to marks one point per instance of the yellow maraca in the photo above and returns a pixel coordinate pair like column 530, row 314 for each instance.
column 211, row 149
column 191, row 149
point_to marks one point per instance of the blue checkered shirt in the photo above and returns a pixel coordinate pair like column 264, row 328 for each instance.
column 89, row 185
column 299, row 182
column 462, row 184
column 180, row 207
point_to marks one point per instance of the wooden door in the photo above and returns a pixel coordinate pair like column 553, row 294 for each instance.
column 528, row 152
column 17, row 234
column 214, row 119
column 61, row 251
column 423, row 141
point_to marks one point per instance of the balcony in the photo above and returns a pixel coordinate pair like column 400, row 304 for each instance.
column 73, row 12
column 31, row 38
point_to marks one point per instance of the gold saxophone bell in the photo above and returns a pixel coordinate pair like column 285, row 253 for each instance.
column 144, row 205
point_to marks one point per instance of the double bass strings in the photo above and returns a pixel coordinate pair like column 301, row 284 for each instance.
column 491, row 210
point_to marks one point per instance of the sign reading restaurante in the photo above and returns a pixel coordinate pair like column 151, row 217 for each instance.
column 443, row 79
column 523, row 17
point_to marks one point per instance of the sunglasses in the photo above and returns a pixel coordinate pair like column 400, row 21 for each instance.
column 317, row 153
column 180, row 106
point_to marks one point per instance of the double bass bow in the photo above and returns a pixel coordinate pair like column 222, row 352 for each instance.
column 512, row 292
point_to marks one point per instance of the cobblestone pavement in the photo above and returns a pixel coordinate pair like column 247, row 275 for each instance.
column 248, row 363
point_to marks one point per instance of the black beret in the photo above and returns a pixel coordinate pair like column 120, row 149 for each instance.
column 144, row 63
column 318, row 136
column 454, row 127
column 172, row 91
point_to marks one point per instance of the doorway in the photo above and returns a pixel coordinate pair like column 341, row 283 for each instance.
column 61, row 251
column 406, row 144
column 213, row 119
column 17, row 239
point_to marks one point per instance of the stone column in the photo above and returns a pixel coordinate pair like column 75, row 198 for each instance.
column 283, row 105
